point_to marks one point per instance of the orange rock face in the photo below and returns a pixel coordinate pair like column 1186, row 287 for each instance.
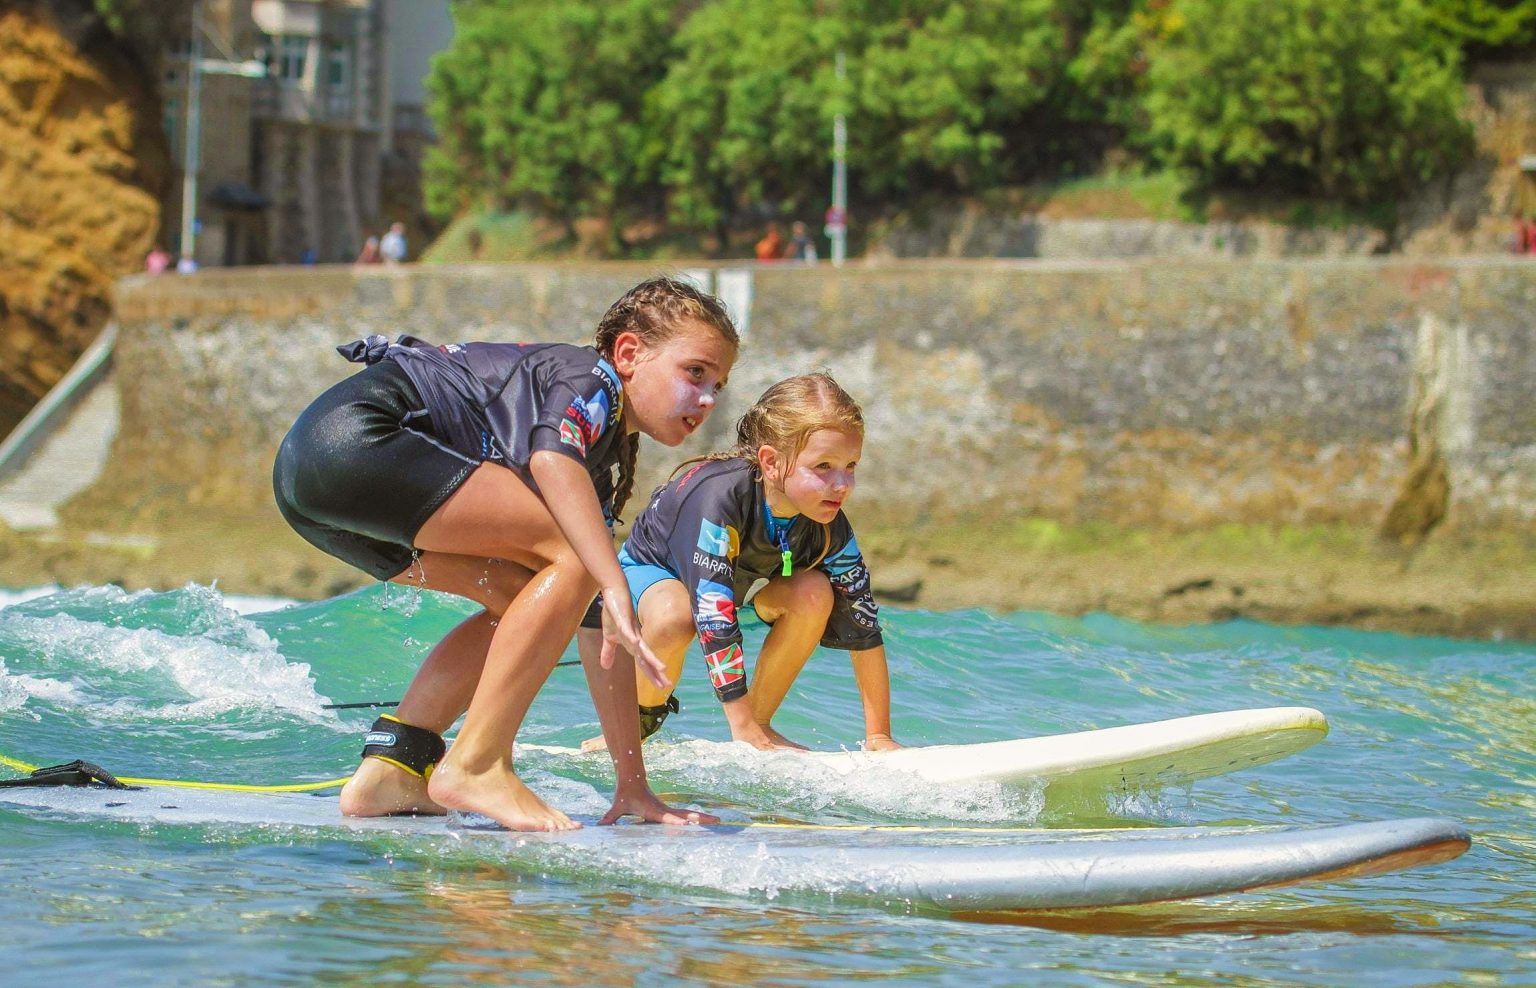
column 83, row 163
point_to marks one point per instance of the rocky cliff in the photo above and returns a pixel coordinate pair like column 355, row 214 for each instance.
column 83, row 165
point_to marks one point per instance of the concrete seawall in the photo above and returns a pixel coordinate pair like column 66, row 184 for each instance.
column 1180, row 395
column 1307, row 442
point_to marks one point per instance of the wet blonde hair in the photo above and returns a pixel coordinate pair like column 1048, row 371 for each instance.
column 789, row 412
column 655, row 310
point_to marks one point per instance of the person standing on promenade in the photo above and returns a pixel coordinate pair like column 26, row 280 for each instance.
column 157, row 261
column 392, row 244
column 485, row 470
column 771, row 247
column 801, row 247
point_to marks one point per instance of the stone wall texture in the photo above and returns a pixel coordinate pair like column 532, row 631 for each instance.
column 1183, row 394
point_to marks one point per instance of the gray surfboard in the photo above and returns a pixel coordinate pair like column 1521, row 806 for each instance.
column 956, row 870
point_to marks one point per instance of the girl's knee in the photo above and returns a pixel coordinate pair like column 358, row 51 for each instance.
column 668, row 621
column 496, row 599
column 810, row 592
column 498, row 586
column 569, row 567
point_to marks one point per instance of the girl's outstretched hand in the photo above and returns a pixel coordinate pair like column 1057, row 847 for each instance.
column 622, row 631
column 648, row 806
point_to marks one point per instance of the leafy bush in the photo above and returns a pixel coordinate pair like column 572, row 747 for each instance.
column 713, row 111
column 1485, row 24
column 744, row 114
column 539, row 102
column 1355, row 102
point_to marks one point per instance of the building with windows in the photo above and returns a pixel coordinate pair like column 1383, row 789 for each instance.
column 293, row 167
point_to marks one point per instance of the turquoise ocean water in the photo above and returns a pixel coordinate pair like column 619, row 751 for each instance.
column 187, row 684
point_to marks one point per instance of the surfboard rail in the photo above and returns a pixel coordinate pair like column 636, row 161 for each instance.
column 949, row 869
column 1170, row 752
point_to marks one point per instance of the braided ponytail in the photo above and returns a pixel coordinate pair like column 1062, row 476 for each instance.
column 630, row 456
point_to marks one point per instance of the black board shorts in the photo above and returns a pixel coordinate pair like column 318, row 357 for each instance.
column 357, row 476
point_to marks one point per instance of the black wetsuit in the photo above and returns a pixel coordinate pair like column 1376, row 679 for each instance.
column 370, row 460
column 711, row 528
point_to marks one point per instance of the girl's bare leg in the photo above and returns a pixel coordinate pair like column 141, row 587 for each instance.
column 495, row 515
column 666, row 622
column 442, row 687
column 797, row 606
column 477, row 774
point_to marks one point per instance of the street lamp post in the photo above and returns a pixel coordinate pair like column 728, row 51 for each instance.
column 190, row 153
column 837, row 216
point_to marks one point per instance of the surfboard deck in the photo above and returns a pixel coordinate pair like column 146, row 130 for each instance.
column 1135, row 756
column 953, row 870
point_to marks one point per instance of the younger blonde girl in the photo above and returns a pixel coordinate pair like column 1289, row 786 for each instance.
column 763, row 524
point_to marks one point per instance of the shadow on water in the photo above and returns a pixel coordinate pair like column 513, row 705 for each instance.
column 494, row 926
column 1228, row 919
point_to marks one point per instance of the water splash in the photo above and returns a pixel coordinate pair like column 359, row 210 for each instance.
column 177, row 656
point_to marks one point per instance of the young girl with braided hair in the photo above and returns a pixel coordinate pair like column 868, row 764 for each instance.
column 766, row 513
column 486, row 470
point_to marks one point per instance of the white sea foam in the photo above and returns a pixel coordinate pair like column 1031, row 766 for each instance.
column 806, row 787
column 256, row 605
column 226, row 664
column 10, row 597
column 243, row 605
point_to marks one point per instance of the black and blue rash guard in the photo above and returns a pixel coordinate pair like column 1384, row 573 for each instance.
column 711, row 527
column 503, row 402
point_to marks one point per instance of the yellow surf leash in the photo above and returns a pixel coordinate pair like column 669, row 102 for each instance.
column 188, row 784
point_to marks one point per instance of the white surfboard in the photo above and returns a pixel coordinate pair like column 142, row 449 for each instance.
column 1136, row 756
column 954, row 870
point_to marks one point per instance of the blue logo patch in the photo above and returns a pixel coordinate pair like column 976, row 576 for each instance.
column 715, row 539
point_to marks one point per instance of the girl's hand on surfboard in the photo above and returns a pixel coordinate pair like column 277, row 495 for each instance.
column 648, row 806
column 622, row 631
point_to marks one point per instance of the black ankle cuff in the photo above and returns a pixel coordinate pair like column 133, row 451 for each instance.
column 415, row 749
column 651, row 718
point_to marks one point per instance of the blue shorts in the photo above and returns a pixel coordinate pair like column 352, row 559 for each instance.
column 641, row 576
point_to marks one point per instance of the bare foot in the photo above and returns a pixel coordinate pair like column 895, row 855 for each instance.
column 880, row 742
column 764, row 738
column 378, row 788
column 780, row 741
column 498, row 793
column 594, row 744
column 648, row 806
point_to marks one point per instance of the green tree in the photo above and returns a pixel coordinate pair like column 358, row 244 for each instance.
column 1485, row 24
column 938, row 94
column 539, row 103
column 949, row 93
column 1356, row 102
column 145, row 25
column 1102, row 80
column 743, row 116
